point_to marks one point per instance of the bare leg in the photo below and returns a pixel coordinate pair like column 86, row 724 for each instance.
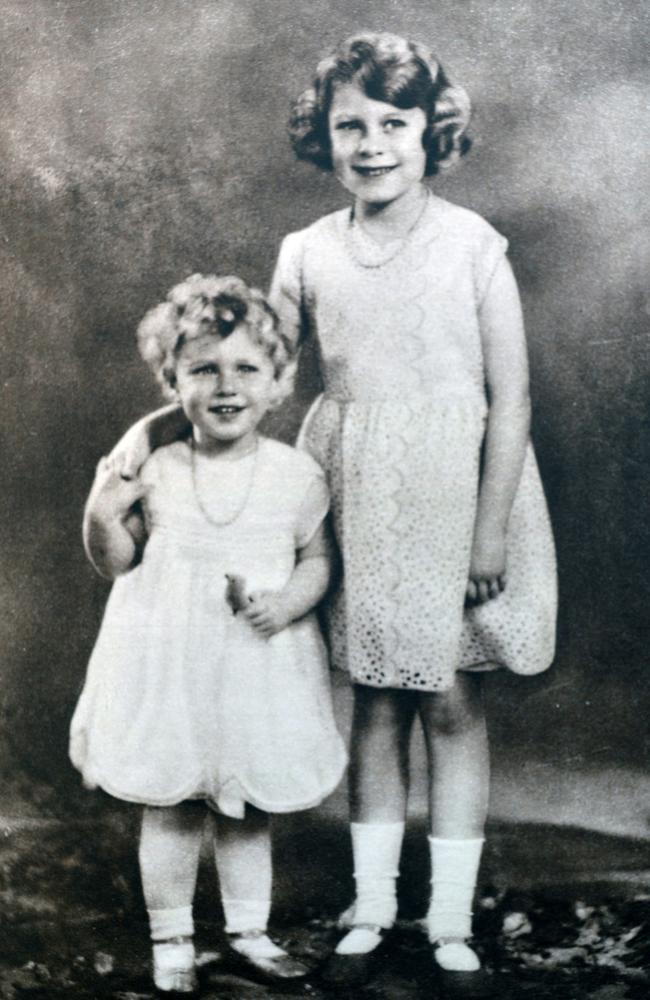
column 379, row 781
column 459, row 759
column 379, row 754
column 170, row 841
column 456, row 739
column 242, row 849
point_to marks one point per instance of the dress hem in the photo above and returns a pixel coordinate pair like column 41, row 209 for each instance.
column 250, row 799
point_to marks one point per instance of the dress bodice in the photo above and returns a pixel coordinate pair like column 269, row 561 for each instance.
column 225, row 513
column 409, row 326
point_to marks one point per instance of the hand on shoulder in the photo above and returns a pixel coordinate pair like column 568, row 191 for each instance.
column 112, row 495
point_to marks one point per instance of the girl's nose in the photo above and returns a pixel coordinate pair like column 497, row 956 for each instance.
column 371, row 142
column 226, row 384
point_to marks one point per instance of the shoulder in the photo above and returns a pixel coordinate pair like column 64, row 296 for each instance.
column 316, row 232
column 289, row 463
column 466, row 226
column 169, row 457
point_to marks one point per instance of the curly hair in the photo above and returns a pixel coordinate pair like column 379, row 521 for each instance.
column 387, row 68
column 215, row 305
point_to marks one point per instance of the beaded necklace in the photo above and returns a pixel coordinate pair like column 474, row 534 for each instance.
column 363, row 248
column 247, row 494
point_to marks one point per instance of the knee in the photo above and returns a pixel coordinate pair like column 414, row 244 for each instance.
column 382, row 720
column 448, row 719
column 456, row 712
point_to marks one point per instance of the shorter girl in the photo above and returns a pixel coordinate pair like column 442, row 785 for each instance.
column 187, row 702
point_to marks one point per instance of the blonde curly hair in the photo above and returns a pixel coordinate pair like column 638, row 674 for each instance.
column 392, row 69
column 216, row 305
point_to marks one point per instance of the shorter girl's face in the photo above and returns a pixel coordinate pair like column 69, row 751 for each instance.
column 225, row 385
column 377, row 149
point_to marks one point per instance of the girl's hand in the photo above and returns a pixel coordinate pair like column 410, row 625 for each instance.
column 153, row 431
column 112, row 496
column 131, row 452
column 487, row 572
column 113, row 531
column 267, row 612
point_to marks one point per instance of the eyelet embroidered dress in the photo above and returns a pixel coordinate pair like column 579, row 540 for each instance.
column 399, row 430
column 183, row 699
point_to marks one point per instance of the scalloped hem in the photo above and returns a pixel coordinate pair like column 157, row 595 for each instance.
column 226, row 806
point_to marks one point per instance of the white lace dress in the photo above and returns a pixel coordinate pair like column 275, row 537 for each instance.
column 183, row 699
column 399, row 430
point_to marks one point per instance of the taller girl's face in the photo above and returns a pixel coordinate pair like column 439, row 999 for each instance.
column 377, row 150
column 225, row 385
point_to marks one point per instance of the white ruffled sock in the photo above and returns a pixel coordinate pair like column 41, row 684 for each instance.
column 171, row 923
column 454, row 870
column 247, row 920
column 376, row 848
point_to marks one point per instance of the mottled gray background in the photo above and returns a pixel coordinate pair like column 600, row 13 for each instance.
column 141, row 141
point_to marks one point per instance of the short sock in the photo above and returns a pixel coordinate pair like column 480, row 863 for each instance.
column 454, row 869
column 243, row 915
column 171, row 923
column 376, row 849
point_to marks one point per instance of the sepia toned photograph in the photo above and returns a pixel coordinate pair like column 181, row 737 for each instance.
column 325, row 391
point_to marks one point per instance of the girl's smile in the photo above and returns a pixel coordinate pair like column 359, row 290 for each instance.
column 377, row 149
column 372, row 171
column 225, row 386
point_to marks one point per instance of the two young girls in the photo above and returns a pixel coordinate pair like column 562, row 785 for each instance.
column 187, row 702
column 422, row 430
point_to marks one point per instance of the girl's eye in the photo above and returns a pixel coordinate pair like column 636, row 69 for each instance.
column 205, row 370
column 247, row 368
column 393, row 123
column 346, row 125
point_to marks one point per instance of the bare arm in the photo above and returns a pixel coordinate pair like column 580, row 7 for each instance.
column 285, row 293
column 506, row 436
column 112, row 533
column 161, row 427
column 269, row 612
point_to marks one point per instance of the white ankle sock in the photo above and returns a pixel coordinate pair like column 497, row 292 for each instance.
column 376, row 849
column 244, row 915
column 167, row 924
column 454, row 870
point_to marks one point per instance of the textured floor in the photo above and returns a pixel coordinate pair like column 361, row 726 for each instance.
column 561, row 913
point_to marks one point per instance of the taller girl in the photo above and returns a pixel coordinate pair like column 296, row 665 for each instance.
column 422, row 429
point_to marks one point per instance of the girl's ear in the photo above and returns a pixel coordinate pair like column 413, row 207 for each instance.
column 168, row 385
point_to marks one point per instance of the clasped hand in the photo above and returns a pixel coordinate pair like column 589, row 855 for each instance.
column 266, row 612
column 487, row 572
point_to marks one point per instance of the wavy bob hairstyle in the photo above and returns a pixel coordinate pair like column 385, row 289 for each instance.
column 390, row 69
column 214, row 305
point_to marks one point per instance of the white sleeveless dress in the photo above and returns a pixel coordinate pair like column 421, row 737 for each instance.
column 183, row 699
column 399, row 430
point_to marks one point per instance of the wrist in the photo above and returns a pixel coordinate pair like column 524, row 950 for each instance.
column 284, row 612
column 490, row 527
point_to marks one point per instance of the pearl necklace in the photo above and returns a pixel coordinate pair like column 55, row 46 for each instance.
column 361, row 245
column 247, row 494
